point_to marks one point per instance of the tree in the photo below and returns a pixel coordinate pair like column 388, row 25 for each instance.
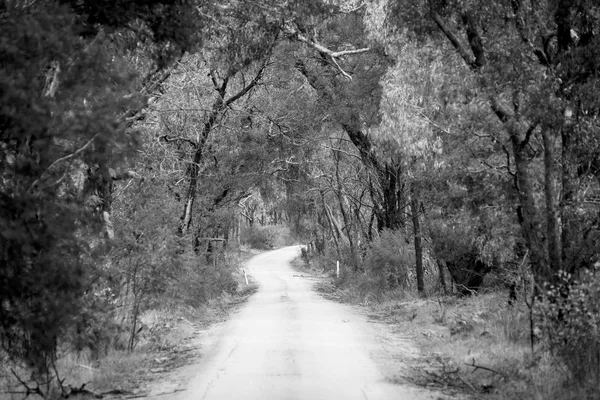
column 354, row 104
column 541, row 53
column 67, row 96
column 531, row 67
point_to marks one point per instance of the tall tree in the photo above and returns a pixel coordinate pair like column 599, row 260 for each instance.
column 64, row 89
column 534, row 65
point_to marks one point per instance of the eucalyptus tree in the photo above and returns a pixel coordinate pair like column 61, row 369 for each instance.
column 536, row 66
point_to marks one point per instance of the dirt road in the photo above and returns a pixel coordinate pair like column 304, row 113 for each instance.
column 287, row 342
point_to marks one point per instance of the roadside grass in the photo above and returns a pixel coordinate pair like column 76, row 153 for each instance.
column 478, row 345
column 165, row 343
column 165, row 346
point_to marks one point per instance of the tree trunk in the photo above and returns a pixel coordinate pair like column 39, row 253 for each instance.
column 530, row 219
column 193, row 169
column 414, row 202
column 341, row 200
column 551, row 194
column 440, row 266
column 567, row 204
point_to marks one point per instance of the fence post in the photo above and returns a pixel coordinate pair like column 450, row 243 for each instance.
column 337, row 269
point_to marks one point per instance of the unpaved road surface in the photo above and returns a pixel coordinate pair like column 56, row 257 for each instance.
column 288, row 342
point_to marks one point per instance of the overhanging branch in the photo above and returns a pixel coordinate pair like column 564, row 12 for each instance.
column 327, row 53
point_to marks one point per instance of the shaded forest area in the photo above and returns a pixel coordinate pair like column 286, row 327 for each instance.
column 434, row 148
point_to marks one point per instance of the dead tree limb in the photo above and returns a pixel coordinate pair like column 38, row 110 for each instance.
column 473, row 365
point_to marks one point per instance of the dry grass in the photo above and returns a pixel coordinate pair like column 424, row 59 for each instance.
column 167, row 334
column 482, row 345
column 478, row 344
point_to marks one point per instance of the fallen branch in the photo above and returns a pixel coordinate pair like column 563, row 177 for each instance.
column 473, row 365
column 466, row 382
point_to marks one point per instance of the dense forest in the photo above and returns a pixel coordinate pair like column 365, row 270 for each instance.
column 439, row 147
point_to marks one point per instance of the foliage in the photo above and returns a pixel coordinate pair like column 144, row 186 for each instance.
column 389, row 259
column 67, row 85
column 570, row 317
column 258, row 237
column 49, row 124
column 410, row 96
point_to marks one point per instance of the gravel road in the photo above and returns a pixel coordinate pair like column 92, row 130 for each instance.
column 288, row 342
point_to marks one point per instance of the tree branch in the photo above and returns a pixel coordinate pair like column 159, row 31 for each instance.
column 520, row 25
column 342, row 151
column 168, row 139
column 250, row 85
column 328, row 54
column 468, row 58
column 474, row 41
column 503, row 114
column 529, row 133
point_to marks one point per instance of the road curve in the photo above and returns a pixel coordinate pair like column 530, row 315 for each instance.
column 287, row 342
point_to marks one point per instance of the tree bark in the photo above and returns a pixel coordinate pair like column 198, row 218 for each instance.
column 442, row 276
column 567, row 203
column 414, row 202
column 551, row 194
column 530, row 222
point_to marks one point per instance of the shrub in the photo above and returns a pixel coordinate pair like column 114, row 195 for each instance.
column 389, row 259
column 570, row 315
column 457, row 246
column 259, row 237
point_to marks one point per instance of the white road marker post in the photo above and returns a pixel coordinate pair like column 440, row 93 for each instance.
column 245, row 276
column 337, row 269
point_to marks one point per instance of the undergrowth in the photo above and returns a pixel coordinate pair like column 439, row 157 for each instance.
column 164, row 328
column 481, row 345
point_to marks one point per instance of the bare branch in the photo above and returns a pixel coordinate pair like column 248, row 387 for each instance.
column 324, row 51
column 75, row 153
column 168, row 138
column 250, row 85
column 341, row 151
column 65, row 158
column 343, row 53
column 473, row 365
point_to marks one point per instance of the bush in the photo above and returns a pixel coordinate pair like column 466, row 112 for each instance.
column 570, row 314
column 462, row 251
column 389, row 260
column 259, row 237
